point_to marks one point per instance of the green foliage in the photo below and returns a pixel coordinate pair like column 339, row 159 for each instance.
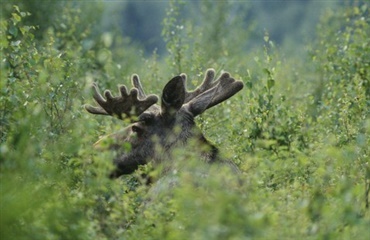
column 299, row 131
column 346, row 66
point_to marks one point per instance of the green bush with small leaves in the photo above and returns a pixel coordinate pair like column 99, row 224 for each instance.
column 298, row 131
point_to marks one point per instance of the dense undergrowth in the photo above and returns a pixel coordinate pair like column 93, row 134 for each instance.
column 299, row 132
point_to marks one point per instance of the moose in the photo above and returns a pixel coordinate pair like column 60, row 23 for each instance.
column 155, row 131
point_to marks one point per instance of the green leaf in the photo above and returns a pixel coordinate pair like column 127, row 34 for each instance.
column 13, row 30
column 267, row 71
column 270, row 83
column 249, row 85
column 16, row 8
column 16, row 18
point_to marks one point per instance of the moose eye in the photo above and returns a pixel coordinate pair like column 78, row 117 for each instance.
column 137, row 130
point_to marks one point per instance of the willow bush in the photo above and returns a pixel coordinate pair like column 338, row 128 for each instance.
column 299, row 131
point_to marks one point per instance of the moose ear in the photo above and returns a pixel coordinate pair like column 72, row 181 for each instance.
column 173, row 95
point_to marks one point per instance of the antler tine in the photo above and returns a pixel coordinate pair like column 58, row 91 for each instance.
column 99, row 99
column 127, row 105
column 211, row 93
column 208, row 83
column 227, row 88
column 136, row 83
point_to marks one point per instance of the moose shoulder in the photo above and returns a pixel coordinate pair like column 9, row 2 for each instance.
column 155, row 131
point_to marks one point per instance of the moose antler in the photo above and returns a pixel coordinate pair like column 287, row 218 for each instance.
column 211, row 92
column 126, row 105
column 205, row 85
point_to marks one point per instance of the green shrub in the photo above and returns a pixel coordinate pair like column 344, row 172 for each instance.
column 299, row 132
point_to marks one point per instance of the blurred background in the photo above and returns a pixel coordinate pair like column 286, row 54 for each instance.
column 288, row 23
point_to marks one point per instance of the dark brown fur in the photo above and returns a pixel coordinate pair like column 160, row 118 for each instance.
column 158, row 130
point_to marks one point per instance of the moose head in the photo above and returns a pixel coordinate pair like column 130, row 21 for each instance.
column 155, row 131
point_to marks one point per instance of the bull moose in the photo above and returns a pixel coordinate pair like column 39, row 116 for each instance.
column 155, row 131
